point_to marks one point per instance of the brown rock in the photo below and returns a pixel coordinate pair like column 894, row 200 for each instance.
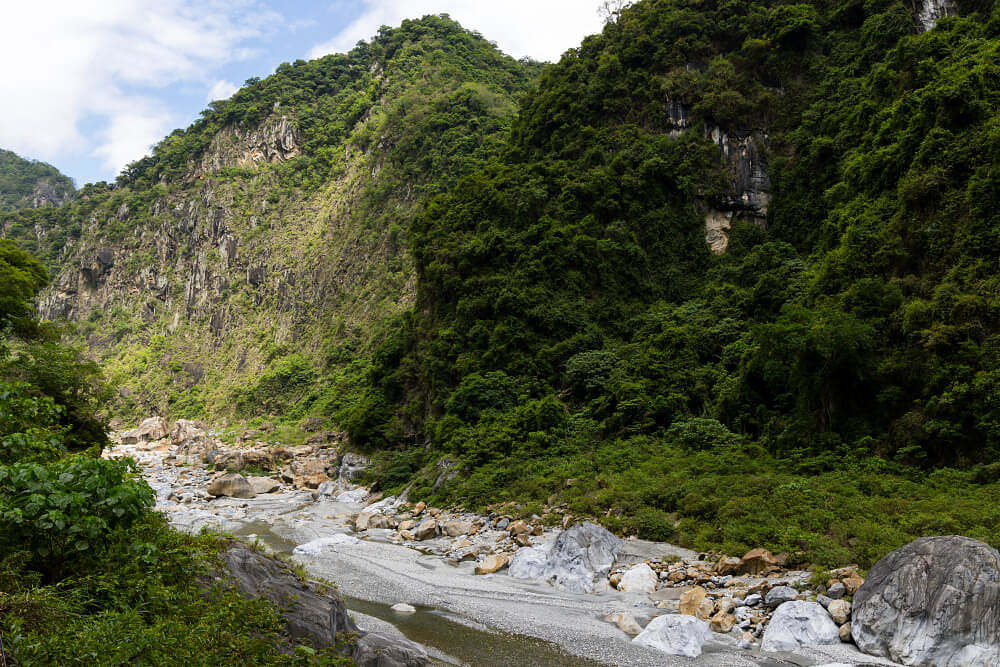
column 382, row 521
column 426, row 530
column 722, row 622
column 845, row 633
column 625, row 622
column 406, row 525
column 757, row 562
column 420, row 507
column 727, row 565
column 456, row 528
column 492, row 564
column 852, row 584
column 233, row 485
column 406, row 535
column 523, row 540
column 695, row 602
column 518, row 528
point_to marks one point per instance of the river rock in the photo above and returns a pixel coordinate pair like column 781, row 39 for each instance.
column 426, row 530
column 582, row 555
column 263, row 485
column 799, row 623
column 233, row 485
column 527, row 563
column 836, row 591
column 403, row 608
column 185, row 431
column 934, row 601
column 625, row 622
column 456, row 528
column 154, row 428
column 757, row 561
column 676, row 635
column 355, row 496
column 840, row 611
column 695, row 602
column 779, row 595
column 379, row 649
column 492, row 563
column 382, row 521
column 639, row 579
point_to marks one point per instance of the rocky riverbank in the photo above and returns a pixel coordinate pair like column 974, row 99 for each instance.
column 576, row 585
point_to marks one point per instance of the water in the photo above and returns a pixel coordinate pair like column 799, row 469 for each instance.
column 460, row 641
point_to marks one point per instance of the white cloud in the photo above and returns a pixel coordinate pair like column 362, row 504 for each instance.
column 222, row 90
column 71, row 65
column 541, row 29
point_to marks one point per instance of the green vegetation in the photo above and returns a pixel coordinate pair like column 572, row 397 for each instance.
column 827, row 387
column 88, row 573
column 23, row 181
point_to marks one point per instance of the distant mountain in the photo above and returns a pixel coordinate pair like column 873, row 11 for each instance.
column 30, row 184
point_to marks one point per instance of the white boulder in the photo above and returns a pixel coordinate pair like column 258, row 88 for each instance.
column 675, row 635
column 799, row 623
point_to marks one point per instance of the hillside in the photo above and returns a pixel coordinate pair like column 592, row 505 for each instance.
column 733, row 282
column 29, row 184
column 258, row 250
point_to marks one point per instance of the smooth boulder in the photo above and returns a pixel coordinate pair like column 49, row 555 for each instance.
column 676, row 635
column 527, row 563
column 639, row 579
column 581, row 556
column 233, row 485
column 799, row 623
column 380, row 649
column 934, row 601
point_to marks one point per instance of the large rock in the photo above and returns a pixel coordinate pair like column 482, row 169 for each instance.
column 799, row 623
column 154, row 428
column 581, row 556
column 233, row 485
column 527, row 563
column 185, row 431
column 779, row 595
column 639, row 579
column 933, row 602
column 378, row 649
column 263, row 485
column 426, row 530
column 676, row 635
column 492, row 563
column 352, row 465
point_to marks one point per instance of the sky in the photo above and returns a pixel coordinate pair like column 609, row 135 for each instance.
column 91, row 85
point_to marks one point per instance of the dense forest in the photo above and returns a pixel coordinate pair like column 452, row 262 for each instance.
column 27, row 183
column 828, row 386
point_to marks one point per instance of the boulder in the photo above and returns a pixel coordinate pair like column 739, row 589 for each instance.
column 757, row 561
column 933, row 601
column 840, row 611
column 352, row 465
column 625, row 622
column 695, row 602
column 722, row 622
column 154, row 428
column 799, row 623
column 310, row 474
column 779, row 595
column 382, row 521
column 185, row 431
column 527, row 563
column 456, row 528
column 492, row 564
column 836, row 591
column 845, row 633
column 675, row 635
column 263, row 485
column 639, row 579
column 426, row 530
column 362, row 520
column 519, row 528
column 233, row 485
column 355, row 496
column 581, row 556
column 403, row 608
column 380, row 649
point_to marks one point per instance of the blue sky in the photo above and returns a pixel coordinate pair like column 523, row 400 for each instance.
column 90, row 85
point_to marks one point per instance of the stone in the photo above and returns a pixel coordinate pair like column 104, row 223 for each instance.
column 753, row 600
column 638, row 579
column 670, row 593
column 352, row 465
column 419, row 507
column 185, row 431
column 527, row 563
column 582, row 556
column 362, row 521
column 523, row 540
column 233, row 485
column 727, row 565
column 933, row 601
column 456, row 528
column 836, row 591
column 408, row 524
column 840, row 611
column 722, row 622
column 625, row 622
column 382, row 521
column 316, row 547
column 406, row 535
column 799, row 623
column 695, row 602
column 492, row 564
column 757, row 562
column 327, row 489
column 426, row 530
column 726, row 605
column 852, row 584
column 154, row 428
column 263, row 485
column 779, row 595
column 310, row 474
column 379, row 649
column 519, row 528
column 845, row 633
column 824, row 601
column 403, row 608
column 675, row 635
column 355, row 496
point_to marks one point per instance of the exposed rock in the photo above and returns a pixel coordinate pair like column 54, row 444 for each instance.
column 695, row 602
column 933, row 601
column 845, row 633
column 639, row 579
column 518, row 528
column 931, row 11
column 355, row 496
column 492, row 563
column 185, row 430
column 779, row 595
column 263, row 485
column 625, row 622
column 799, row 623
column 377, row 649
column 840, row 611
column 727, row 564
column 426, row 530
column 582, row 555
column 310, row 614
column 403, row 608
column 757, row 562
column 528, row 563
column 382, row 521
column 233, row 485
column 722, row 622
column 676, row 635
column 154, row 428
column 456, row 528
column 836, row 591
column 352, row 465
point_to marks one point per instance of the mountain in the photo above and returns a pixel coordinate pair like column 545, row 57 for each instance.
column 259, row 250
column 29, row 184
column 725, row 275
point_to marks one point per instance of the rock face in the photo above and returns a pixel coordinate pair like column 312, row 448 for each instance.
column 527, row 563
column 639, row 579
column 154, row 428
column 233, row 485
column 933, row 602
column 377, row 649
column 799, row 623
column 676, row 635
column 930, row 11
column 581, row 556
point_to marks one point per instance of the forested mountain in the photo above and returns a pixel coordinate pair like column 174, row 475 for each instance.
column 30, row 184
column 726, row 274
